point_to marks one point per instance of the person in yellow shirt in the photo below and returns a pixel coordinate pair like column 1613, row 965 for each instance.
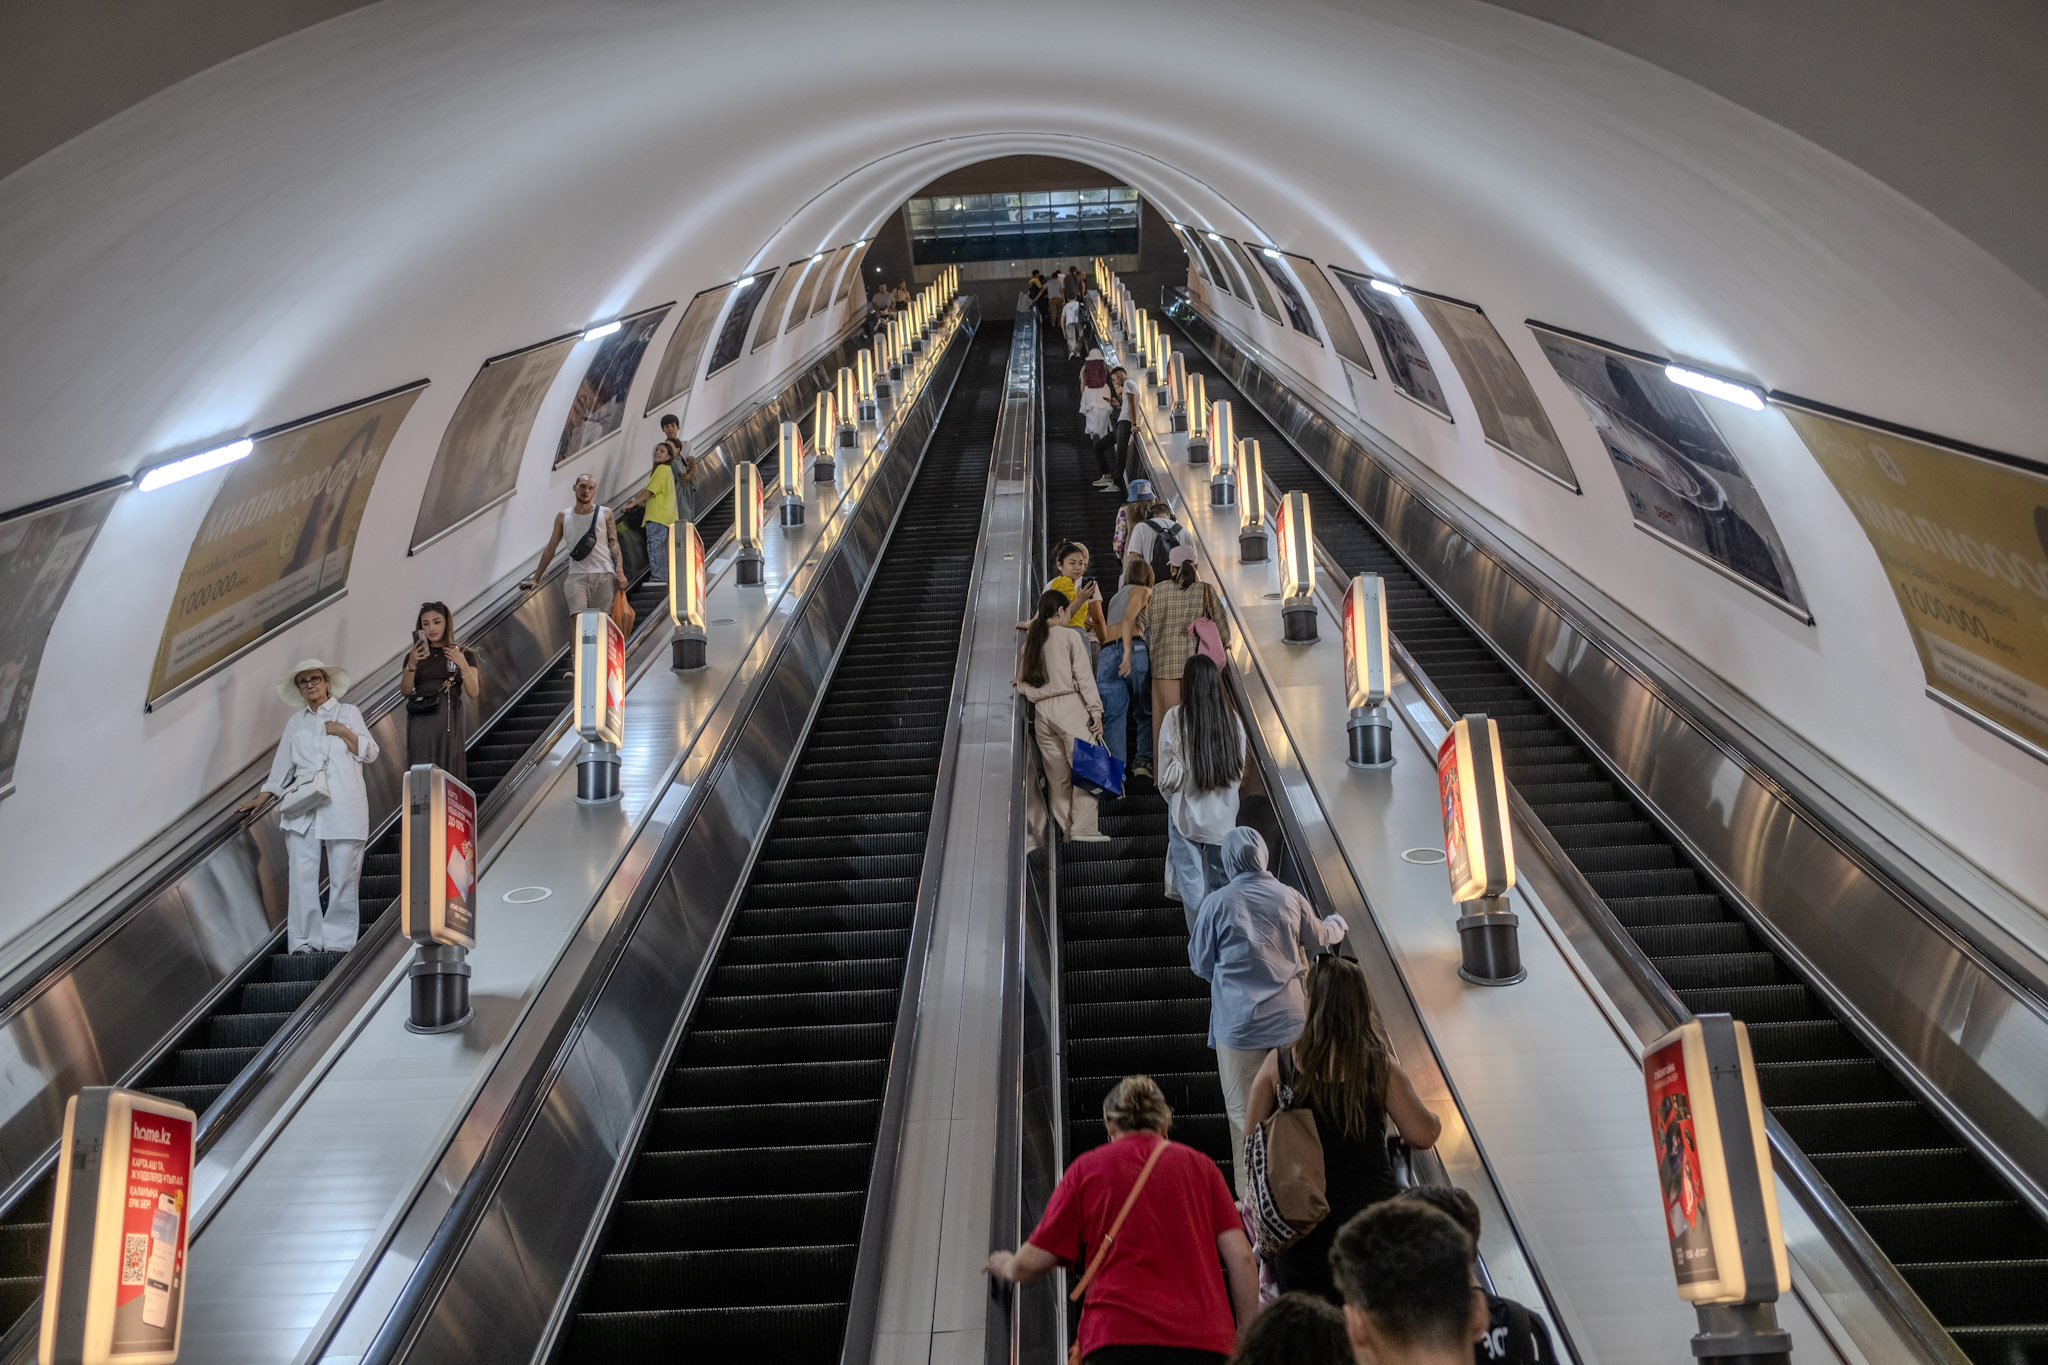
column 1071, row 559
column 659, row 498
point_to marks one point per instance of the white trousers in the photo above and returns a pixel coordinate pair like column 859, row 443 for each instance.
column 1237, row 1068
column 305, row 925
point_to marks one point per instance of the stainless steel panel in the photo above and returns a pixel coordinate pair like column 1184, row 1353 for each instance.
column 1961, row 1030
column 541, row 1190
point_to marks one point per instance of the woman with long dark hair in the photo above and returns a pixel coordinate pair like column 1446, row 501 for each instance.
column 1340, row 1070
column 439, row 680
column 1178, row 601
column 1201, row 761
column 1053, row 673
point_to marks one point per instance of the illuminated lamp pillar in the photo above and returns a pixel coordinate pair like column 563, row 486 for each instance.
column 686, row 596
column 893, row 332
column 1369, row 730
column 1154, row 360
column 438, row 843
column 864, row 386
column 1195, row 404
column 747, row 498
column 1223, row 473
column 1719, row 1194
column 789, row 466
column 1162, row 362
column 824, row 431
column 1479, row 850
column 600, row 696
column 1177, row 385
column 916, row 325
column 846, row 399
column 1251, row 496
column 1294, row 541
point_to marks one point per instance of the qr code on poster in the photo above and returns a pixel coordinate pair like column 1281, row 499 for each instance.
column 134, row 1256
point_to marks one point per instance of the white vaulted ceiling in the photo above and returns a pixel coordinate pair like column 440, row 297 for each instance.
column 400, row 191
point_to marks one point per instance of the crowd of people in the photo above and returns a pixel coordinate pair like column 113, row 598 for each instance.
column 1176, row 1264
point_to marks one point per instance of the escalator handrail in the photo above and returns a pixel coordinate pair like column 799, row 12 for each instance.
column 523, row 1106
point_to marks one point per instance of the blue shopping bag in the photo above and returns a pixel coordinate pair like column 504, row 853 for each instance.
column 1097, row 771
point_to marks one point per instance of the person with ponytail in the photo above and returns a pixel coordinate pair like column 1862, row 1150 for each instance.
column 1054, row 674
column 1201, row 761
column 1341, row 1071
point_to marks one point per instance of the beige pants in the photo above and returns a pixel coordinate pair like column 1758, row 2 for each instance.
column 589, row 591
column 1073, row 808
column 1238, row 1068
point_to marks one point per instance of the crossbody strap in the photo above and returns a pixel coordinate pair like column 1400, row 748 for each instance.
column 1109, row 1238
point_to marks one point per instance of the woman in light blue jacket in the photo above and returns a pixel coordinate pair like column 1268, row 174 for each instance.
column 1252, row 941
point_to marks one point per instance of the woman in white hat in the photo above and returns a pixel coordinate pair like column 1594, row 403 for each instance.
column 318, row 778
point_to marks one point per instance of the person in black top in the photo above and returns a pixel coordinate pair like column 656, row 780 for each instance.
column 1344, row 1074
column 1514, row 1335
column 440, row 680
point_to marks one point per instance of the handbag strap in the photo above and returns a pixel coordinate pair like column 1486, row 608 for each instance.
column 1108, row 1243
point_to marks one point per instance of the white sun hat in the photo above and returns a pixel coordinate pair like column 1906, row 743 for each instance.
column 288, row 688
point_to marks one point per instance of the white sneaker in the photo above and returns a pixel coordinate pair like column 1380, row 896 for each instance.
column 1104, row 483
column 1091, row 838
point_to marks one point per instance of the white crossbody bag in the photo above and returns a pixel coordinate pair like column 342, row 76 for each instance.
column 304, row 794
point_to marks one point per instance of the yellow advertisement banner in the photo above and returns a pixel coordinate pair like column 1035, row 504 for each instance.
column 1964, row 541
column 278, row 539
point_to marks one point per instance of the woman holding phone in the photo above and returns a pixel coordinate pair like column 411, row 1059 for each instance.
column 439, row 680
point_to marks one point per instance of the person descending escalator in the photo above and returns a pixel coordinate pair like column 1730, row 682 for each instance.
column 1252, row 942
column 1342, row 1072
column 439, row 680
column 1053, row 674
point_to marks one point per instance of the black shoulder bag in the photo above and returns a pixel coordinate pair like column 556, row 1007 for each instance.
column 587, row 542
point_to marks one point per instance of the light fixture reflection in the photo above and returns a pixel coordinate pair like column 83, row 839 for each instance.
column 192, row 465
column 594, row 333
column 1388, row 287
column 1741, row 395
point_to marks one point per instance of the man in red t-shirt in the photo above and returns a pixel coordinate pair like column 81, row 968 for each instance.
column 1160, row 1295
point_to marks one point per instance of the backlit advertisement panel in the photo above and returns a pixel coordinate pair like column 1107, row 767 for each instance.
column 600, row 678
column 1479, row 851
column 598, row 408
column 1509, row 412
column 477, row 465
column 438, row 855
column 1963, row 539
column 279, row 537
column 1678, row 1165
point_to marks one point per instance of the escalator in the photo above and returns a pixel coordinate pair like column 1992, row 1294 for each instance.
column 1129, row 1004
column 1975, row 1254
column 737, row 1227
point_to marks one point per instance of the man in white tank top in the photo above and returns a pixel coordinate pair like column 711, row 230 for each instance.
column 593, row 579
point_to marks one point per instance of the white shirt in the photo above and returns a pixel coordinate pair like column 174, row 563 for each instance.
column 1141, row 538
column 1071, row 314
column 1201, row 817
column 1056, row 286
column 574, row 524
column 307, row 747
column 1134, row 400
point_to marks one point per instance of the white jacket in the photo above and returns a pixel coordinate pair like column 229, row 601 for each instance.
column 1201, row 817
column 307, row 746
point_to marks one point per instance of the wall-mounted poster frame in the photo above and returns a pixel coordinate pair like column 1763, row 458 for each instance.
column 1207, row 252
column 1291, row 302
column 816, row 281
column 1408, row 366
column 1510, row 414
column 277, row 543
column 749, row 292
column 792, row 275
column 1344, row 337
column 476, row 467
column 1194, row 253
column 1259, row 292
column 42, row 547
column 848, row 273
column 676, row 375
column 1686, row 485
column 1962, row 534
column 597, row 410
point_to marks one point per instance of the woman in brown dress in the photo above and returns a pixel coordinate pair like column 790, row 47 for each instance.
column 439, row 680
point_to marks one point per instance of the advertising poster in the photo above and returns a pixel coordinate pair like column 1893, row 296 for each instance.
column 1408, row 364
column 1451, row 797
column 477, row 466
column 1344, row 337
column 1290, row 297
column 599, row 407
column 153, row 1233
column 676, row 375
column 842, row 270
column 1964, row 542
column 615, row 680
column 458, row 861
column 1678, row 1164
column 279, row 538
column 748, row 294
column 1684, row 483
column 1253, row 275
column 1218, row 272
column 793, row 275
column 1509, row 412
column 40, row 552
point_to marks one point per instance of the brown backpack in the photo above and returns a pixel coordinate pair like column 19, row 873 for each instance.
column 1283, row 1160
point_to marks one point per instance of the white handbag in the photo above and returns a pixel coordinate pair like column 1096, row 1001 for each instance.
column 304, row 794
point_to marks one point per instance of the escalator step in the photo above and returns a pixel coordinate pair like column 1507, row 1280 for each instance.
column 1851, row 1126
column 1104, row 1021
column 763, row 1083
column 1808, row 1040
column 807, row 1043
column 1139, row 983
column 736, row 1221
column 1721, row 969
column 243, row 1030
column 846, row 946
column 1979, row 1293
column 1852, row 1080
column 823, row 919
column 796, row 1010
column 727, row 1278
column 721, row 1123
column 1945, row 1174
column 1999, row 1229
column 796, row 1333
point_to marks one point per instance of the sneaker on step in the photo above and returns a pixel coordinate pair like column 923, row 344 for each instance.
column 1089, row 839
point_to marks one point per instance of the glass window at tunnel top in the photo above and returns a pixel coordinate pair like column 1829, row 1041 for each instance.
column 944, row 229
column 1258, row 286
column 732, row 336
column 1407, row 363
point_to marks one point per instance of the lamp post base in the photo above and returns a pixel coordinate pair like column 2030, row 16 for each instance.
column 792, row 514
column 1223, row 491
column 1298, row 623
column 439, row 980
column 1490, row 944
column 597, row 773
column 1741, row 1332
column 686, row 652
column 824, row 471
column 749, row 571
column 1180, row 417
column 849, row 435
column 1371, row 739
column 867, row 410
column 1198, row 450
column 1251, row 546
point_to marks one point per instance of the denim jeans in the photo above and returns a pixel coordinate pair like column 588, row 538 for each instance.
column 1192, row 871
column 657, row 551
column 1122, row 698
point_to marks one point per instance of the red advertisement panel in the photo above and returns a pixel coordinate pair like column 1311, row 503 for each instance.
column 153, row 1231
column 614, row 681
column 1678, row 1164
column 1451, row 795
column 458, row 842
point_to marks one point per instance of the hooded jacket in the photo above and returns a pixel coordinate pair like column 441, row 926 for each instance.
column 1252, row 941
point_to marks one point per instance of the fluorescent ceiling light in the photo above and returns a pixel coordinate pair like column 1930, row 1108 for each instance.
column 744, row 283
column 1727, row 390
column 604, row 331
column 817, row 258
column 862, row 242
column 1389, row 287
column 1270, row 252
column 194, row 464
column 1215, row 237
